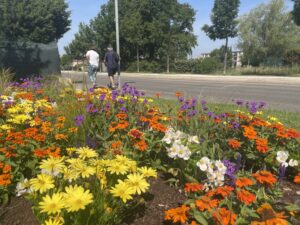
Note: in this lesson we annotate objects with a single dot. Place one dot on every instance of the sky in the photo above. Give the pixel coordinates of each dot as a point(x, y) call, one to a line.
point(85, 10)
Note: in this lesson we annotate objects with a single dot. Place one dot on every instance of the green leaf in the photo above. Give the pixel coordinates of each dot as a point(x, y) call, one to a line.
point(200, 218)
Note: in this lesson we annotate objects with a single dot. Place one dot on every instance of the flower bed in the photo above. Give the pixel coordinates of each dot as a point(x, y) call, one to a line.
point(230, 164)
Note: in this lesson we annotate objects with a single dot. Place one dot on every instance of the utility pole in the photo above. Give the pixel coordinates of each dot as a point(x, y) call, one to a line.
point(117, 38)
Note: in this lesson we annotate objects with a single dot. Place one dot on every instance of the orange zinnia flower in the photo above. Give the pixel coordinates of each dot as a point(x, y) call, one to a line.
point(116, 144)
point(141, 145)
point(178, 94)
point(193, 187)
point(121, 116)
point(292, 133)
point(243, 182)
point(223, 191)
point(5, 179)
point(269, 216)
point(249, 132)
point(193, 223)
point(262, 145)
point(113, 126)
point(246, 196)
point(265, 177)
point(73, 129)
point(297, 179)
point(122, 124)
point(206, 203)
point(135, 133)
point(6, 168)
point(233, 143)
point(60, 137)
point(177, 214)
point(223, 216)
point(157, 95)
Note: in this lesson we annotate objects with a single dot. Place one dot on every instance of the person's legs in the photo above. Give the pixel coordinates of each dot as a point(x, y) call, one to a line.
point(95, 75)
point(112, 81)
point(91, 74)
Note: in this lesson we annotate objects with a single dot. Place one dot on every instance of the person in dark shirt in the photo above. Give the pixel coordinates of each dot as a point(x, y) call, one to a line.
point(111, 60)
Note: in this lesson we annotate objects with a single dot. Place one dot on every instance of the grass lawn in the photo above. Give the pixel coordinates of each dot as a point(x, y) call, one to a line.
point(289, 119)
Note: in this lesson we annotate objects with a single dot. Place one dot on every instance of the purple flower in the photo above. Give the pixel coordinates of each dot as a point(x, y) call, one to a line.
point(203, 102)
point(194, 102)
point(282, 170)
point(181, 99)
point(262, 104)
point(184, 107)
point(121, 101)
point(239, 102)
point(235, 124)
point(145, 101)
point(205, 108)
point(123, 109)
point(223, 115)
point(79, 120)
point(230, 171)
point(210, 113)
point(192, 113)
point(102, 97)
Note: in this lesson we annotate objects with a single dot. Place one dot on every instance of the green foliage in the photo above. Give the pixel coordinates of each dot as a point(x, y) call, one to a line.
point(6, 76)
point(155, 29)
point(146, 66)
point(224, 23)
point(184, 66)
point(34, 20)
point(223, 20)
point(267, 32)
point(206, 66)
point(296, 11)
point(65, 61)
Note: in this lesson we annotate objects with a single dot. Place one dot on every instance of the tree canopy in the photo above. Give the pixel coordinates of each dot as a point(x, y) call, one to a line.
point(267, 32)
point(296, 11)
point(34, 20)
point(224, 23)
point(155, 29)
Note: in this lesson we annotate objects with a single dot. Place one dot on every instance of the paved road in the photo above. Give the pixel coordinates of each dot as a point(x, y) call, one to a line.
point(279, 92)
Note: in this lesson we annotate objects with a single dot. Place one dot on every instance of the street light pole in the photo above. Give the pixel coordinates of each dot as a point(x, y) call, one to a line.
point(117, 37)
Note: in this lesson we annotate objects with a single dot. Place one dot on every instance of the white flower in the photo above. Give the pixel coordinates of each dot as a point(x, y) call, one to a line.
point(23, 188)
point(220, 166)
point(282, 156)
point(193, 139)
point(184, 152)
point(179, 134)
point(167, 139)
point(293, 162)
point(173, 151)
point(203, 163)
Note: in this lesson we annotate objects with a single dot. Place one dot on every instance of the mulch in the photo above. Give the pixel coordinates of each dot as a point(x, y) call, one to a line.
point(160, 198)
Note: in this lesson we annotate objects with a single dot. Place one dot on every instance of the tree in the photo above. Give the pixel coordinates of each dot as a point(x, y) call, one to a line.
point(157, 29)
point(34, 20)
point(267, 32)
point(296, 11)
point(224, 23)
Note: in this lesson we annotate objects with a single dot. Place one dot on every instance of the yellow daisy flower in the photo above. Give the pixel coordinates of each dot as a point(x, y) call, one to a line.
point(147, 172)
point(52, 165)
point(122, 191)
point(77, 198)
point(86, 152)
point(53, 222)
point(42, 183)
point(53, 204)
point(137, 182)
point(117, 168)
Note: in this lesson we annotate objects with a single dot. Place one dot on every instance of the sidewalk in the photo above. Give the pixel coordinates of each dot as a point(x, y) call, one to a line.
point(273, 79)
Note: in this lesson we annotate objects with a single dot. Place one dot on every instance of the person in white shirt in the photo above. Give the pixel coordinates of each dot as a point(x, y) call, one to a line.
point(93, 61)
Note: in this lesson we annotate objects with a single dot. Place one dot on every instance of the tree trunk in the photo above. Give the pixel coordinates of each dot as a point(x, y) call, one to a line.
point(168, 63)
point(226, 54)
point(137, 59)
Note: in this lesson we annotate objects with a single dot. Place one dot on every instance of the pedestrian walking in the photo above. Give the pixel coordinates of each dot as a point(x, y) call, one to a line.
point(93, 64)
point(111, 61)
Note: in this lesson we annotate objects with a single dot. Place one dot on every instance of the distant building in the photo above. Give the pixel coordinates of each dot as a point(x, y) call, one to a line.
point(236, 58)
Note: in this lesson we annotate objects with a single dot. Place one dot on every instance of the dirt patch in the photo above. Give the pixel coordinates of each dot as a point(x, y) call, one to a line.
point(18, 212)
point(161, 197)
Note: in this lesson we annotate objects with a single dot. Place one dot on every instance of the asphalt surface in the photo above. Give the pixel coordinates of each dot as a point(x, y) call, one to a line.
point(279, 92)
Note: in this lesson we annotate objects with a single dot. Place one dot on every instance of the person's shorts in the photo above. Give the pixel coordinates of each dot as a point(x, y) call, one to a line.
point(111, 71)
